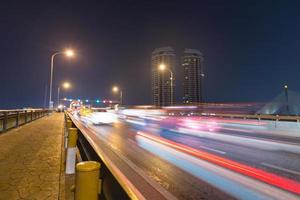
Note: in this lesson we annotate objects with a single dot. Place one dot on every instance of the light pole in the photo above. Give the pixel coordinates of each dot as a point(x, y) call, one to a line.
point(68, 53)
point(286, 98)
point(65, 85)
point(162, 67)
point(116, 89)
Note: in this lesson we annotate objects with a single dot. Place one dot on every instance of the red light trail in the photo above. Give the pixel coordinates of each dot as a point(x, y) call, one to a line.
point(267, 177)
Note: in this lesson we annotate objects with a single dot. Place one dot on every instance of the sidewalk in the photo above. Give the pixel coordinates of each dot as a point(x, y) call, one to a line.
point(30, 160)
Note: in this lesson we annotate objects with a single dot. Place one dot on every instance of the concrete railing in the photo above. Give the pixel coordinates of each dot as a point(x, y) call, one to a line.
point(13, 118)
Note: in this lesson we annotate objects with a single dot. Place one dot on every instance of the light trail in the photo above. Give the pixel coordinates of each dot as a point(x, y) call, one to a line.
point(267, 177)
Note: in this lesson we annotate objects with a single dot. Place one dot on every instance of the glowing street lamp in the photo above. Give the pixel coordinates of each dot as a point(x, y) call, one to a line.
point(116, 89)
point(286, 98)
point(65, 85)
point(162, 67)
point(67, 53)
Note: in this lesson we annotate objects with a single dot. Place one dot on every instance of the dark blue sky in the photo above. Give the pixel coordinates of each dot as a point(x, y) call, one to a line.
point(251, 48)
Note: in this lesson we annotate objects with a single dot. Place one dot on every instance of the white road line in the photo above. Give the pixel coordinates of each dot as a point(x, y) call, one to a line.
point(281, 168)
point(211, 149)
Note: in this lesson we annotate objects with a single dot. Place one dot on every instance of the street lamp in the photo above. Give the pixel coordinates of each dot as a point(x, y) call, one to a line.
point(162, 67)
point(67, 53)
point(286, 98)
point(116, 89)
point(65, 85)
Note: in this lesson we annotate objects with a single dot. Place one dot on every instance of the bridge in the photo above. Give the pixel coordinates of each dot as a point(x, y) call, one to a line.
point(148, 153)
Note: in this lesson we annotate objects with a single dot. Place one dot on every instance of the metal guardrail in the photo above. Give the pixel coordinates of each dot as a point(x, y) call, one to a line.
point(112, 187)
point(257, 116)
point(14, 118)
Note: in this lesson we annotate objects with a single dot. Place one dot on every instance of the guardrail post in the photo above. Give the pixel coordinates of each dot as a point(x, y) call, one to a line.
point(18, 119)
point(87, 182)
point(71, 150)
point(31, 115)
point(25, 116)
point(5, 121)
point(69, 124)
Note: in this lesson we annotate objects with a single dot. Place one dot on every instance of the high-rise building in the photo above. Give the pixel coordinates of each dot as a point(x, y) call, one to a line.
point(162, 84)
point(192, 64)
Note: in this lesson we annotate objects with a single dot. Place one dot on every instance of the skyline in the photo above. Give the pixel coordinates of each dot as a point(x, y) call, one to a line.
point(245, 45)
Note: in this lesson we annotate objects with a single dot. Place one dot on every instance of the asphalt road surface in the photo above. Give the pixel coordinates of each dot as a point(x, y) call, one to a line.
point(202, 158)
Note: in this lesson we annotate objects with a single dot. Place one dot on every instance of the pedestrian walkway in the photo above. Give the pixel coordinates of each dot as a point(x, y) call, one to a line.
point(30, 160)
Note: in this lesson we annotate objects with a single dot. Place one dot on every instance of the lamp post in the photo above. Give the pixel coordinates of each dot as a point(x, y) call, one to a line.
point(68, 53)
point(65, 85)
point(162, 67)
point(286, 98)
point(116, 89)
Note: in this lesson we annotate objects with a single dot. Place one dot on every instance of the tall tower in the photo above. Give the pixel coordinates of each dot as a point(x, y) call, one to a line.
point(162, 88)
point(192, 64)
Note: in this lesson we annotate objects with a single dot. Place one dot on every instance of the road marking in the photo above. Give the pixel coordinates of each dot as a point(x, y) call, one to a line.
point(211, 149)
point(281, 168)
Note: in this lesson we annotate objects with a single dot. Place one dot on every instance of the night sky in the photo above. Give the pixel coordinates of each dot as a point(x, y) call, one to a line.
point(251, 48)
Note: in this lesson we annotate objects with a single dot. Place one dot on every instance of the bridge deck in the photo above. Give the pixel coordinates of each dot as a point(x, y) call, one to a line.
point(30, 160)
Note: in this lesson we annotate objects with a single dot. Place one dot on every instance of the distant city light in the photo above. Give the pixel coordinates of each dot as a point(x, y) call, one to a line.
point(86, 100)
point(97, 101)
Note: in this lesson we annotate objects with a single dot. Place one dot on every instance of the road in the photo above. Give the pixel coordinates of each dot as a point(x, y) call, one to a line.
point(199, 158)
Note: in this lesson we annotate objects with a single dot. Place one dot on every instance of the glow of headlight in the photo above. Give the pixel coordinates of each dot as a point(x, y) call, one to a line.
point(189, 123)
point(180, 107)
point(141, 112)
point(136, 122)
point(103, 117)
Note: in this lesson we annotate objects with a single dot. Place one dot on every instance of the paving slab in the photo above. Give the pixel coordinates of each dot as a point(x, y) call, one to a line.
point(31, 160)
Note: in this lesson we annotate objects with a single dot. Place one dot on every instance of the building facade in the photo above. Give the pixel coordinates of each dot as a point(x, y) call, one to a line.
point(192, 64)
point(162, 88)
